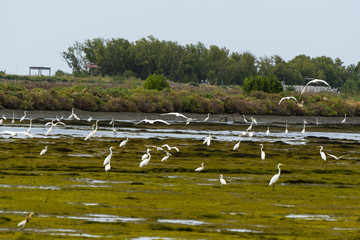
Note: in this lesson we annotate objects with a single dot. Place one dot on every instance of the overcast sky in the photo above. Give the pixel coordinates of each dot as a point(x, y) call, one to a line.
point(35, 32)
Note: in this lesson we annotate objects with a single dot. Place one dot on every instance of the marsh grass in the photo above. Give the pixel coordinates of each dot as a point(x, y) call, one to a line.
point(65, 187)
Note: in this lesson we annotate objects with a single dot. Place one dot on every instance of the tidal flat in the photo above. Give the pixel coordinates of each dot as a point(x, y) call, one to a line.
point(69, 193)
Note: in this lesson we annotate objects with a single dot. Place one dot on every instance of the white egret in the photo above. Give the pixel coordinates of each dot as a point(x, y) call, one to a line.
point(113, 128)
point(92, 133)
point(303, 130)
point(170, 148)
point(245, 120)
point(250, 134)
point(343, 121)
point(317, 121)
point(199, 169)
point(43, 151)
point(52, 126)
point(236, 146)
point(9, 132)
point(315, 81)
point(146, 155)
point(222, 180)
point(29, 129)
point(13, 119)
point(112, 121)
point(337, 158)
point(275, 177)
point(207, 118)
point(145, 120)
point(322, 154)
point(287, 98)
point(23, 117)
point(146, 160)
point(89, 119)
point(73, 115)
point(166, 156)
point(208, 140)
point(253, 120)
point(188, 120)
point(23, 222)
point(3, 116)
point(250, 127)
point(107, 169)
point(267, 131)
point(262, 155)
point(123, 142)
point(108, 158)
point(1, 121)
point(286, 129)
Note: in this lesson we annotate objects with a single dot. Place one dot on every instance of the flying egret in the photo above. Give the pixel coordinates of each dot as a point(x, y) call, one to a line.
point(253, 120)
point(337, 158)
point(92, 133)
point(73, 115)
point(267, 131)
point(222, 180)
point(322, 154)
point(262, 152)
point(188, 120)
point(23, 222)
point(52, 126)
point(343, 121)
point(315, 81)
point(43, 151)
point(23, 117)
point(236, 146)
point(199, 169)
point(207, 118)
point(108, 158)
point(170, 148)
point(208, 140)
point(275, 177)
point(145, 120)
point(287, 98)
point(123, 142)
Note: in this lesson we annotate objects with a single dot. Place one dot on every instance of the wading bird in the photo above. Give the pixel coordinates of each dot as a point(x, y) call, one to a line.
point(199, 169)
point(245, 120)
point(29, 129)
point(108, 158)
point(23, 222)
point(73, 115)
point(303, 130)
point(207, 118)
point(253, 120)
point(343, 121)
point(23, 117)
point(13, 119)
point(43, 151)
point(250, 127)
point(112, 121)
point(222, 180)
point(3, 116)
point(123, 142)
point(262, 155)
point(267, 131)
point(1, 121)
point(89, 119)
point(287, 98)
point(113, 128)
point(275, 177)
point(166, 157)
point(146, 155)
point(208, 140)
point(92, 133)
point(237, 145)
point(145, 161)
point(315, 81)
point(286, 129)
point(322, 154)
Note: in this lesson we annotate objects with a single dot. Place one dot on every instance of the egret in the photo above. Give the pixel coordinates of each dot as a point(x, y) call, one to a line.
point(23, 117)
point(89, 119)
point(315, 81)
point(200, 168)
point(267, 131)
point(23, 222)
point(222, 180)
point(245, 120)
point(123, 142)
point(343, 121)
point(112, 121)
point(317, 121)
point(250, 127)
point(253, 120)
point(113, 128)
point(208, 140)
point(188, 120)
point(146, 155)
point(73, 115)
point(108, 158)
point(145, 120)
point(337, 158)
point(287, 98)
point(1, 121)
point(170, 148)
point(250, 134)
point(29, 129)
point(13, 119)
point(52, 126)
point(262, 152)
point(303, 131)
point(92, 133)
point(275, 177)
point(166, 157)
point(237, 145)
point(286, 129)
point(43, 151)
point(207, 118)
point(322, 154)
point(3, 116)
point(107, 168)
point(146, 160)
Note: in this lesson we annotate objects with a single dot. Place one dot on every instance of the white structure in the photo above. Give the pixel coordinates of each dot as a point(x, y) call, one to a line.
point(299, 88)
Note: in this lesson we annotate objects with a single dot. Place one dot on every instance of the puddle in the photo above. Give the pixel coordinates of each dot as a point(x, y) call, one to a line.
point(152, 238)
point(242, 230)
point(346, 229)
point(90, 185)
point(102, 218)
point(311, 217)
point(30, 187)
point(179, 221)
point(284, 205)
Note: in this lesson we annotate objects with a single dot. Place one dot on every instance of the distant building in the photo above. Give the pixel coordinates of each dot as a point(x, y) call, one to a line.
point(310, 88)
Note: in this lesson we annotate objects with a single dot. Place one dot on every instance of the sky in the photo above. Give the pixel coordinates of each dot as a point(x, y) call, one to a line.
point(35, 32)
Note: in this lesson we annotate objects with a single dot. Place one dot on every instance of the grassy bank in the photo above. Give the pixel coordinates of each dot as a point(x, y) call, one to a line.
point(107, 94)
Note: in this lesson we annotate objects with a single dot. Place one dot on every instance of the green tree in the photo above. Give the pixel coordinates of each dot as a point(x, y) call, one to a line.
point(268, 84)
point(156, 81)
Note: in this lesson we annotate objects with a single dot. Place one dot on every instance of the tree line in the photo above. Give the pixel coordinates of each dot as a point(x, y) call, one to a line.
point(196, 63)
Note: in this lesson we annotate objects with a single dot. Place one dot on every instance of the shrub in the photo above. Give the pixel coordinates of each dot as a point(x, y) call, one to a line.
point(157, 82)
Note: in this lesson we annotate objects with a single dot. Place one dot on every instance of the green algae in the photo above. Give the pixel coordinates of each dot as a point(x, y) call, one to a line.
point(67, 186)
